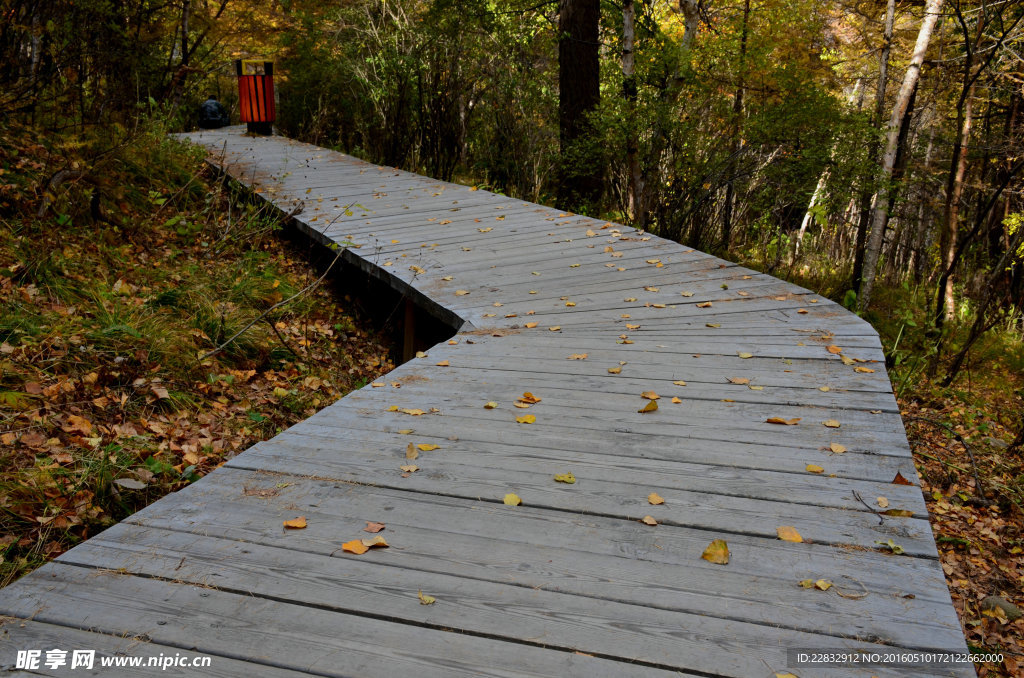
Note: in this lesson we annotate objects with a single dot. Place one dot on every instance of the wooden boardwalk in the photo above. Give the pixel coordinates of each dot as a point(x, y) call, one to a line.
point(586, 316)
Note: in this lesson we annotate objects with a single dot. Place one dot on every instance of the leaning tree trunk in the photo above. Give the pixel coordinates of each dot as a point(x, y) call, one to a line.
point(578, 96)
point(880, 214)
point(867, 192)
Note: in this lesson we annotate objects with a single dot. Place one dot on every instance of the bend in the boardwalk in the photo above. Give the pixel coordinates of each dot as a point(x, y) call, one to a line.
point(587, 316)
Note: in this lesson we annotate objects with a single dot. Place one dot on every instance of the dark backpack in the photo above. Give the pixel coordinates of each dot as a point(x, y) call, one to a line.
point(212, 115)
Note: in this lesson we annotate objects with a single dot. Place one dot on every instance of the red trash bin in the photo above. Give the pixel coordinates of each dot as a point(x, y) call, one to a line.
point(256, 95)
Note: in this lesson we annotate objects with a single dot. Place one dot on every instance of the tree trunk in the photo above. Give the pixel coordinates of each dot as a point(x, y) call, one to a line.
point(634, 188)
point(868, 193)
point(880, 214)
point(659, 137)
point(579, 95)
point(737, 129)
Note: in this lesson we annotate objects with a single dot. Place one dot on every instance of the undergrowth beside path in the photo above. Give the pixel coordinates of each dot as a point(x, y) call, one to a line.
point(139, 265)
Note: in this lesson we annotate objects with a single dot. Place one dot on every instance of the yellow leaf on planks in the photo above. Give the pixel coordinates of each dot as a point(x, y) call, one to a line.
point(739, 380)
point(412, 412)
point(831, 423)
point(706, 304)
point(427, 447)
point(679, 382)
point(745, 355)
point(411, 452)
point(785, 422)
point(512, 499)
point(444, 363)
point(836, 448)
point(676, 401)
point(577, 356)
point(655, 499)
point(649, 520)
point(814, 468)
point(425, 599)
point(490, 405)
point(567, 478)
point(530, 326)
point(355, 546)
point(461, 293)
point(614, 370)
point(717, 552)
point(833, 349)
point(296, 523)
point(526, 419)
point(789, 533)
point(650, 395)
point(649, 407)
point(865, 370)
point(409, 468)
point(530, 398)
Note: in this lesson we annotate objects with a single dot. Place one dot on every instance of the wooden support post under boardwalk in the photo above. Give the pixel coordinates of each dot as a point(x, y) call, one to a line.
point(409, 331)
point(559, 534)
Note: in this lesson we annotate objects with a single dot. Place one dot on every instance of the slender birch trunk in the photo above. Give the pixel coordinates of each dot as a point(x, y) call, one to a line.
point(879, 216)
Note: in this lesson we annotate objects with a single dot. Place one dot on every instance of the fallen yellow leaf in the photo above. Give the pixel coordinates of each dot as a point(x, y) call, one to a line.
point(738, 380)
point(649, 407)
point(512, 499)
point(648, 520)
point(780, 420)
point(414, 413)
point(614, 370)
point(823, 584)
point(427, 447)
point(490, 405)
point(676, 401)
point(814, 468)
point(526, 419)
point(461, 293)
point(787, 533)
point(405, 431)
point(555, 328)
point(372, 542)
point(530, 398)
point(655, 499)
point(425, 599)
point(296, 523)
point(410, 452)
point(650, 395)
point(409, 468)
point(355, 546)
point(567, 477)
point(836, 448)
point(833, 349)
point(882, 502)
point(717, 552)
point(745, 355)
point(706, 304)
point(421, 354)
point(866, 370)
point(531, 325)
point(577, 356)
point(679, 382)
point(831, 423)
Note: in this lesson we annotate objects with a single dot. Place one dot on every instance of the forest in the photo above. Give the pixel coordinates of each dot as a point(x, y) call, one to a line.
point(870, 150)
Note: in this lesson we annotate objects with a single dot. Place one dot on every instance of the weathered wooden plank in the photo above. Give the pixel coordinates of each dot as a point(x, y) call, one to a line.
point(168, 660)
point(278, 632)
point(501, 610)
point(460, 541)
